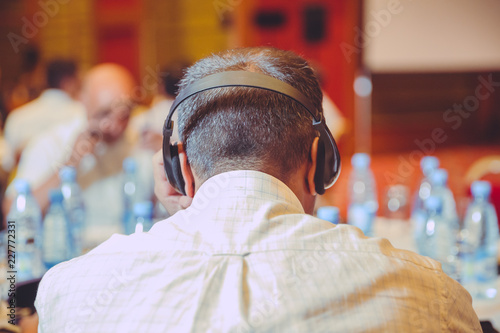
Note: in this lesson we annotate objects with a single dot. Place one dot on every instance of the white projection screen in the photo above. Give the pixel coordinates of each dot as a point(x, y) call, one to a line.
point(430, 35)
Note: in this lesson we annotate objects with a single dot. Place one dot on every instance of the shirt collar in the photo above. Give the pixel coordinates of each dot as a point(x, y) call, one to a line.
point(235, 211)
point(245, 184)
point(55, 93)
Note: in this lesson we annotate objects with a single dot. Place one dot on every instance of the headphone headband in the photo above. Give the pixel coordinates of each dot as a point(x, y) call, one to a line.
point(328, 158)
point(243, 79)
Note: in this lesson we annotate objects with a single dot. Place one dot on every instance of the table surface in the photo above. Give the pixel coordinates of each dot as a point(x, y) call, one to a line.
point(399, 233)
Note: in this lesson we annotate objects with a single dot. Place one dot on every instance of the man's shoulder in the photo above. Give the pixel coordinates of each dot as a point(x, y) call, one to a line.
point(111, 254)
point(344, 238)
point(20, 114)
point(116, 250)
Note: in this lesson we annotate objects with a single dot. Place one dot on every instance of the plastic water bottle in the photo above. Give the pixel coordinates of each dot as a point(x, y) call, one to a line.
point(25, 214)
point(426, 240)
point(56, 235)
point(438, 240)
point(329, 213)
point(428, 165)
point(363, 199)
point(130, 188)
point(143, 212)
point(74, 206)
point(480, 243)
point(439, 184)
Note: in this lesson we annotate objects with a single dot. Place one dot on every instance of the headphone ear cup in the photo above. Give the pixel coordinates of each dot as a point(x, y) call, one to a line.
point(176, 169)
point(320, 168)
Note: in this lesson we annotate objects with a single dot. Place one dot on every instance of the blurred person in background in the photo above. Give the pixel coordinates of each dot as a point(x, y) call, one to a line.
point(54, 106)
point(334, 119)
point(150, 123)
point(30, 80)
point(96, 146)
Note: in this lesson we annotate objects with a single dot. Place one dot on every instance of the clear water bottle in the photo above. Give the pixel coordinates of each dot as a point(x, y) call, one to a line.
point(439, 184)
point(438, 240)
point(428, 165)
point(74, 205)
point(426, 240)
point(143, 212)
point(26, 216)
point(363, 204)
point(329, 213)
point(130, 189)
point(479, 248)
point(56, 235)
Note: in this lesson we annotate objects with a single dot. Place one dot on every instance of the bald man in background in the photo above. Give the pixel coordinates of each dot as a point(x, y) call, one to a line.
point(96, 147)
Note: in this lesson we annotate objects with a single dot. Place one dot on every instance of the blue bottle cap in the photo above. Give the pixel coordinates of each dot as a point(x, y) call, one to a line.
point(129, 165)
point(429, 164)
point(360, 161)
point(143, 209)
point(67, 174)
point(328, 213)
point(439, 177)
point(480, 188)
point(22, 186)
point(433, 203)
point(56, 196)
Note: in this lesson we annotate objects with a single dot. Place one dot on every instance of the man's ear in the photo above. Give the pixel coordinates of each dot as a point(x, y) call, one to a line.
point(187, 173)
point(311, 187)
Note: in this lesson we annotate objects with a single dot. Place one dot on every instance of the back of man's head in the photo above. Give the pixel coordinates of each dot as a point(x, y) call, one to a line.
point(241, 128)
point(58, 70)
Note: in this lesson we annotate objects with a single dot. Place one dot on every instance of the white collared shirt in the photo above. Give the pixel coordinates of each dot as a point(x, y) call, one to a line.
point(242, 258)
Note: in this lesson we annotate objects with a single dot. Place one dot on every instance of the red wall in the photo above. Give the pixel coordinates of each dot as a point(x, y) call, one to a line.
point(341, 17)
point(117, 26)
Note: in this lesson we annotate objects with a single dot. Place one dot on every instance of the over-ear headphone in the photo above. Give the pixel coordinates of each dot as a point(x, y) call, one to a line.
point(328, 157)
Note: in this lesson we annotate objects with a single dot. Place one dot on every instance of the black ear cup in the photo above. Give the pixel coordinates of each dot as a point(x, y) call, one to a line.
point(171, 162)
point(319, 174)
point(176, 169)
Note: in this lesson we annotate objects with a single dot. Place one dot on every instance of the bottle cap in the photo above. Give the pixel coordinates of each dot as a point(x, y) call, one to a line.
point(439, 177)
point(129, 165)
point(56, 196)
point(143, 209)
point(360, 161)
point(22, 186)
point(433, 203)
point(328, 213)
point(67, 174)
point(480, 188)
point(429, 164)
